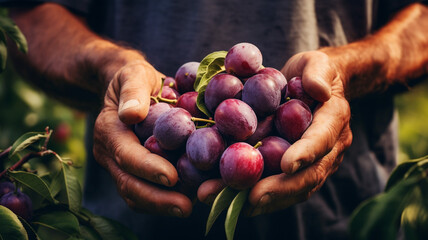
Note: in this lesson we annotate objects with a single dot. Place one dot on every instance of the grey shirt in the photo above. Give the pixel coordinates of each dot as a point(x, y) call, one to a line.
point(171, 33)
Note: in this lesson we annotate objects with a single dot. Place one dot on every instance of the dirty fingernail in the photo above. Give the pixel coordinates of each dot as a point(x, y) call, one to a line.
point(295, 167)
point(164, 180)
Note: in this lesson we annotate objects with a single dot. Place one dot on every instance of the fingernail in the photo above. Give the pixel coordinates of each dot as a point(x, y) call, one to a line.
point(295, 167)
point(129, 104)
point(264, 200)
point(259, 209)
point(164, 180)
point(175, 211)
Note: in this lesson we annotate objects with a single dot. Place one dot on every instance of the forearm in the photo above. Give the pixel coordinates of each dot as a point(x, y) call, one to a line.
point(395, 54)
point(65, 58)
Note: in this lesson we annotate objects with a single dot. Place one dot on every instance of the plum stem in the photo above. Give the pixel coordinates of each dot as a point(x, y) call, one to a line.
point(258, 144)
point(154, 99)
point(170, 101)
point(195, 119)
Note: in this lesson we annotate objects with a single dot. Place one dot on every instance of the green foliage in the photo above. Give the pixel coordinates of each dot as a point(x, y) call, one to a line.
point(211, 65)
point(412, 109)
point(56, 196)
point(9, 29)
point(11, 226)
point(403, 204)
point(234, 201)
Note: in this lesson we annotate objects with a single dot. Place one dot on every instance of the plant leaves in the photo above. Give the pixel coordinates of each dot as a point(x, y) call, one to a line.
point(33, 182)
point(211, 65)
point(221, 202)
point(26, 140)
point(11, 228)
point(62, 221)
point(217, 57)
point(31, 233)
point(233, 213)
point(200, 102)
point(9, 27)
point(111, 230)
point(400, 171)
point(378, 217)
point(72, 188)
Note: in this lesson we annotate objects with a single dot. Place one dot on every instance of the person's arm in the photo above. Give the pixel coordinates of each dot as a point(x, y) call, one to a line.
point(394, 55)
point(72, 63)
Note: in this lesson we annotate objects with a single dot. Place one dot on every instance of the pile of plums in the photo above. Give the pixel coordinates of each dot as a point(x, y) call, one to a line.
point(256, 113)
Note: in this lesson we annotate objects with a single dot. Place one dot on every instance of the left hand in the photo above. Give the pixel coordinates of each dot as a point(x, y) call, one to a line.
point(312, 159)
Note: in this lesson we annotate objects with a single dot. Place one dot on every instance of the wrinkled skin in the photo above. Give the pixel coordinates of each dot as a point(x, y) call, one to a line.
point(137, 172)
point(317, 155)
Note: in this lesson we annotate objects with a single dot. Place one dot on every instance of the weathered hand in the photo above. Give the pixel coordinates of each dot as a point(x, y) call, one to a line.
point(310, 160)
point(143, 179)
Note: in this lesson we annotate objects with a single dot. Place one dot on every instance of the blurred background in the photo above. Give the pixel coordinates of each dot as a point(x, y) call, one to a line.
point(24, 108)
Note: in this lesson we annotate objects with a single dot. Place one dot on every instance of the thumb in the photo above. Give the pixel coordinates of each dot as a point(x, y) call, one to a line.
point(316, 73)
point(136, 83)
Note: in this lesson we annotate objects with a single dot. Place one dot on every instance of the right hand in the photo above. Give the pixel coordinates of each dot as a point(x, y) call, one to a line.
point(143, 179)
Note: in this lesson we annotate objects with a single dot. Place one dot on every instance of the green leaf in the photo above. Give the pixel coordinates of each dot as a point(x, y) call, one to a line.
point(233, 213)
point(211, 65)
point(72, 188)
point(400, 171)
point(217, 57)
point(111, 230)
point(62, 221)
point(11, 228)
point(26, 140)
point(200, 102)
point(33, 182)
point(221, 202)
point(32, 235)
point(10, 28)
point(378, 218)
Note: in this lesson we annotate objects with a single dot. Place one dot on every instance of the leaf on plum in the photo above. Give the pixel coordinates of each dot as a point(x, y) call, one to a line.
point(33, 182)
point(221, 202)
point(233, 213)
point(211, 65)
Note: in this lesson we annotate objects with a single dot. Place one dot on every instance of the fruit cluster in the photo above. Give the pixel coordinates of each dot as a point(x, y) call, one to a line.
point(237, 126)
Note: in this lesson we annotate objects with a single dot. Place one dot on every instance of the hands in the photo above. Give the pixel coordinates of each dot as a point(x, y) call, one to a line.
point(139, 174)
point(310, 160)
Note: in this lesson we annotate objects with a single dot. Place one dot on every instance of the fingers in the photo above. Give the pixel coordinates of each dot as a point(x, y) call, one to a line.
point(281, 191)
point(134, 85)
point(208, 190)
point(145, 197)
point(117, 140)
point(329, 121)
point(316, 73)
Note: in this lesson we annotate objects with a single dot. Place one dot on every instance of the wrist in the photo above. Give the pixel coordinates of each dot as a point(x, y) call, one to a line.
point(105, 59)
